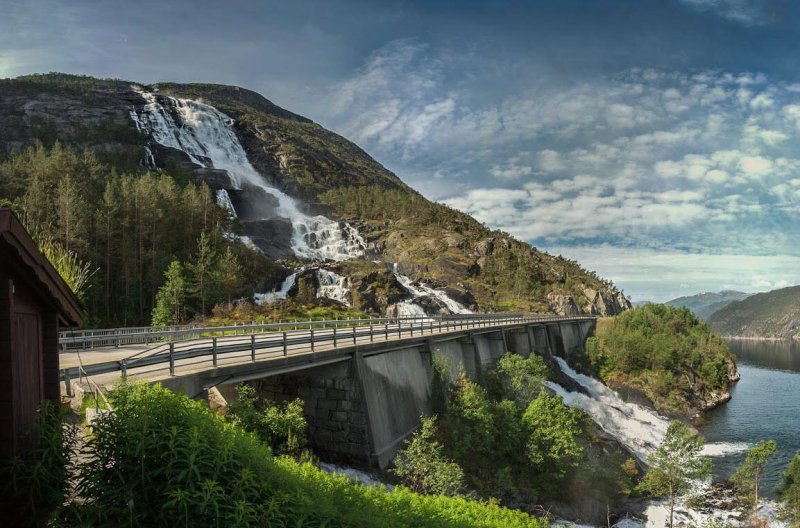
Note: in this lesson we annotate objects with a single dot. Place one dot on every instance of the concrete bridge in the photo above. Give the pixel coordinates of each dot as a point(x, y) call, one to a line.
point(365, 382)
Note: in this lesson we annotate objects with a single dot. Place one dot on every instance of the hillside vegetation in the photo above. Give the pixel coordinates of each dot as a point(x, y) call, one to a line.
point(774, 314)
point(667, 354)
point(132, 230)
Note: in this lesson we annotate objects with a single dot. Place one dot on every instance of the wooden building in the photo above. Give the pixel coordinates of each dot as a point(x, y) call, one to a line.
point(34, 302)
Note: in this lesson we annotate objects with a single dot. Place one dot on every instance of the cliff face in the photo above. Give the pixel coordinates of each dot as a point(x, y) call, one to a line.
point(774, 314)
point(328, 174)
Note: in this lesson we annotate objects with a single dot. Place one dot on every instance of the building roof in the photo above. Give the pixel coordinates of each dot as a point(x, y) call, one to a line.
point(19, 251)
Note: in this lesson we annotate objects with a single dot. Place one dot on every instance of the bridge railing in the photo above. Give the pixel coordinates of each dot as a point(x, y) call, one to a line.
point(115, 337)
point(276, 340)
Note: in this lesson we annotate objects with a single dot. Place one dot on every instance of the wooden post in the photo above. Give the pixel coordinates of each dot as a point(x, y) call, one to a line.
point(334, 337)
point(285, 346)
point(312, 339)
point(252, 347)
point(214, 351)
point(172, 359)
point(354, 335)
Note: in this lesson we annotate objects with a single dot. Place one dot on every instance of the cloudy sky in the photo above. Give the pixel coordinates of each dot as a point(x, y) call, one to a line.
point(655, 141)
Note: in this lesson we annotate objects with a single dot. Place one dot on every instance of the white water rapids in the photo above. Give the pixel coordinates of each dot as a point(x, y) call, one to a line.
point(641, 430)
point(205, 134)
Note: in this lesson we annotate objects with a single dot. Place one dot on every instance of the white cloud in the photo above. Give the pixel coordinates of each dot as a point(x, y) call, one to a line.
point(745, 12)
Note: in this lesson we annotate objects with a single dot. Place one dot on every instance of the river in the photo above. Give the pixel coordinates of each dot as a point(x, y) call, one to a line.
point(764, 406)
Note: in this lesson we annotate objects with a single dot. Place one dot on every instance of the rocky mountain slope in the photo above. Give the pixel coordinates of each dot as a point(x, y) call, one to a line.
point(703, 305)
point(774, 314)
point(342, 203)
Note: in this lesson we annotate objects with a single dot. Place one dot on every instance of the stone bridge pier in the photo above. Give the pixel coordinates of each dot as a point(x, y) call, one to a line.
point(366, 407)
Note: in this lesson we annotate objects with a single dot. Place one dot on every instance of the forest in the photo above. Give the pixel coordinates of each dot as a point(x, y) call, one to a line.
point(126, 231)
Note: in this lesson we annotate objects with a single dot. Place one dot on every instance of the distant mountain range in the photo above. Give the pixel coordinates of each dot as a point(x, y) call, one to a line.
point(703, 305)
point(774, 314)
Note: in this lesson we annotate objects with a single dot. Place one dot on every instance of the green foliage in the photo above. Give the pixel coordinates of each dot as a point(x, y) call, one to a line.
point(676, 465)
point(35, 483)
point(666, 352)
point(163, 460)
point(509, 276)
point(522, 377)
point(422, 466)
point(747, 478)
point(283, 428)
point(169, 308)
point(75, 273)
point(789, 492)
point(201, 267)
point(553, 431)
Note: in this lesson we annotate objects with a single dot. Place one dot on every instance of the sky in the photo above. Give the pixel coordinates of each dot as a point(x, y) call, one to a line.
point(654, 141)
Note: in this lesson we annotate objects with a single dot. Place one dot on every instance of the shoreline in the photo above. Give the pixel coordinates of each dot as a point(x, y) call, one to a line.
point(747, 338)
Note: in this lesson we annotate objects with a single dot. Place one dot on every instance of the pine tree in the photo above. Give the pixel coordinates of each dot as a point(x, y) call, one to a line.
point(170, 298)
point(789, 492)
point(229, 274)
point(748, 477)
point(676, 465)
point(202, 269)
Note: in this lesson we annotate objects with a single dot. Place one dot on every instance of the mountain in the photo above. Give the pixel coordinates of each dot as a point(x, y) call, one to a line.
point(774, 314)
point(703, 305)
point(303, 196)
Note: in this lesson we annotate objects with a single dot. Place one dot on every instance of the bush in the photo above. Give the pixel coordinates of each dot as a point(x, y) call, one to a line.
point(283, 428)
point(161, 459)
point(422, 466)
point(35, 482)
point(522, 377)
point(554, 432)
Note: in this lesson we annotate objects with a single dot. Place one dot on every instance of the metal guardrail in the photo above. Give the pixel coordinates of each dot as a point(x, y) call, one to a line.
point(275, 340)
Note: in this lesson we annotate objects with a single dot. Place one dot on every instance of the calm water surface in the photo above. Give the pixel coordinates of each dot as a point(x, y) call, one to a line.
point(765, 405)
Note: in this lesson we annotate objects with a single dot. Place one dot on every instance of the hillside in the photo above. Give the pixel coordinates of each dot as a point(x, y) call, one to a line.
point(774, 314)
point(705, 304)
point(117, 122)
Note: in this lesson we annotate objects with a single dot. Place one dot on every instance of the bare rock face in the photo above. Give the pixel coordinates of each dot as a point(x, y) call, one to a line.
point(563, 304)
point(606, 303)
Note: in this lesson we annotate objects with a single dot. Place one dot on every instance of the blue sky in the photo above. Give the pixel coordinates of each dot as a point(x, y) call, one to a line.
point(654, 141)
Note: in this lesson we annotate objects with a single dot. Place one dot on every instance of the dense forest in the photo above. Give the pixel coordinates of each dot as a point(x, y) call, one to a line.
point(127, 229)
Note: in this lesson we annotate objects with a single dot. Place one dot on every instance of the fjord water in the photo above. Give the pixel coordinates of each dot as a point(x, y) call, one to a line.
point(765, 406)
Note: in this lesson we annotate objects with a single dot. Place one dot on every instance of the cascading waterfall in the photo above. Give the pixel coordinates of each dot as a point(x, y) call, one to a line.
point(281, 294)
point(408, 308)
point(641, 430)
point(332, 286)
point(205, 134)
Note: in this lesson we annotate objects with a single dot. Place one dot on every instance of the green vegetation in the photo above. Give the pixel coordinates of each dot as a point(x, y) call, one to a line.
point(774, 314)
point(666, 353)
point(676, 466)
point(161, 459)
point(747, 479)
point(789, 492)
point(503, 273)
point(169, 308)
point(511, 441)
point(36, 480)
point(129, 228)
point(284, 429)
point(423, 467)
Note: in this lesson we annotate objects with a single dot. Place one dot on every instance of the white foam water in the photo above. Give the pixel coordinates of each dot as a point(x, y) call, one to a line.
point(332, 286)
point(641, 430)
point(206, 135)
point(408, 308)
point(353, 474)
point(271, 297)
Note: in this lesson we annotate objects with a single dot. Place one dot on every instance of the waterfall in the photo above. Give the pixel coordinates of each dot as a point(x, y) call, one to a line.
point(271, 297)
point(408, 308)
point(206, 135)
point(641, 430)
point(332, 286)
point(224, 199)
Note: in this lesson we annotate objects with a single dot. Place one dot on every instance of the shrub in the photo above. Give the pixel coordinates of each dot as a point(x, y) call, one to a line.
point(35, 482)
point(522, 377)
point(161, 459)
point(554, 431)
point(283, 428)
point(422, 466)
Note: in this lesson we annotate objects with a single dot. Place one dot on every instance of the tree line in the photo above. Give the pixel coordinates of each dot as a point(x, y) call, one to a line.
point(128, 229)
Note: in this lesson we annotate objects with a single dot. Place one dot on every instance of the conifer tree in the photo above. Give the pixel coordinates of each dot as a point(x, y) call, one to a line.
point(170, 298)
point(202, 269)
point(748, 477)
point(229, 274)
point(676, 465)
